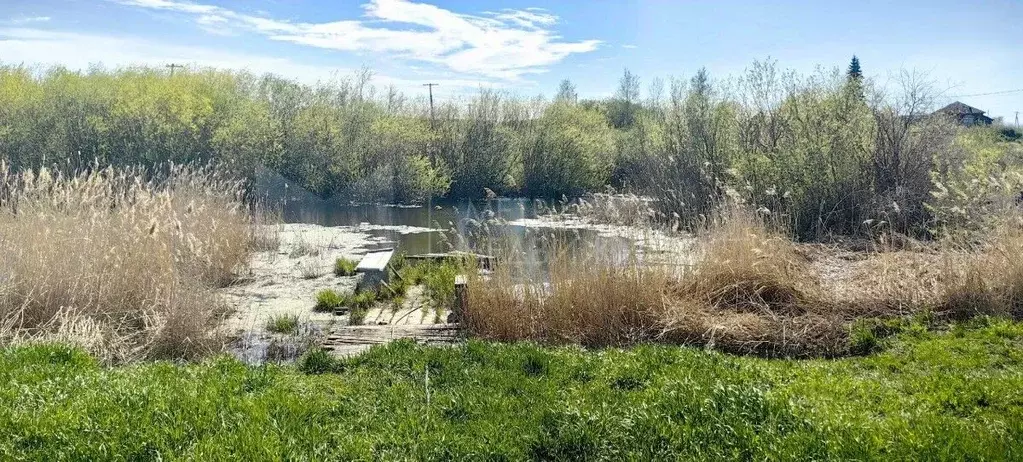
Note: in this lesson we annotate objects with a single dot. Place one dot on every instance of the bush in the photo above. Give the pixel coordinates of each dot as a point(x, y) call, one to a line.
point(568, 154)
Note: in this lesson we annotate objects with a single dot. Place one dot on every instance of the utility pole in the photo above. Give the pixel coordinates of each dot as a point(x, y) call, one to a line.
point(433, 163)
point(430, 86)
point(1017, 119)
point(173, 66)
point(433, 125)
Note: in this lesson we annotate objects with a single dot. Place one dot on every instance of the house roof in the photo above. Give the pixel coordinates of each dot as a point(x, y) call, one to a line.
point(959, 108)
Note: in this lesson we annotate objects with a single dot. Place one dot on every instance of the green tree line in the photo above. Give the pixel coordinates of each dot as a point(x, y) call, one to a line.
point(829, 152)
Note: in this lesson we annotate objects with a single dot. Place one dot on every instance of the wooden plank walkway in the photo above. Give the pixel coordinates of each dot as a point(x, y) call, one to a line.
point(351, 340)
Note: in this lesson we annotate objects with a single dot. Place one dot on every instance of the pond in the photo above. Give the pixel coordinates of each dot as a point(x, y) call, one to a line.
point(474, 226)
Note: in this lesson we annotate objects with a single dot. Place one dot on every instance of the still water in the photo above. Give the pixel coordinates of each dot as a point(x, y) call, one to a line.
point(473, 226)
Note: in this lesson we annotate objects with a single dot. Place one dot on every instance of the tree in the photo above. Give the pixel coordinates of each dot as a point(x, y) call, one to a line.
point(628, 87)
point(854, 71)
point(566, 92)
point(626, 101)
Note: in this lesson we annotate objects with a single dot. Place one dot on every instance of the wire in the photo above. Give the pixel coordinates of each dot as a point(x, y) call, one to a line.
point(991, 93)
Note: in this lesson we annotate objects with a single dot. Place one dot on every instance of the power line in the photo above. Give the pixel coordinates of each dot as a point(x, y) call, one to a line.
point(991, 93)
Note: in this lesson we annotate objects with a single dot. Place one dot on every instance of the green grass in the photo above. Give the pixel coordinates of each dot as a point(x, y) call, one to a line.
point(328, 300)
point(345, 267)
point(438, 278)
point(359, 305)
point(283, 324)
point(935, 396)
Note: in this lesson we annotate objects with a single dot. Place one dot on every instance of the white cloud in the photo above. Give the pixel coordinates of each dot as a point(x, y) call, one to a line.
point(80, 51)
point(502, 45)
point(630, 47)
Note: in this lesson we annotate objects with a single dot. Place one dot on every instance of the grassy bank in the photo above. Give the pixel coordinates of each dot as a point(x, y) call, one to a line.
point(951, 395)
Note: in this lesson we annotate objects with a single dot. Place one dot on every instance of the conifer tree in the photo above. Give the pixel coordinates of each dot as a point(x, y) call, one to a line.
point(854, 68)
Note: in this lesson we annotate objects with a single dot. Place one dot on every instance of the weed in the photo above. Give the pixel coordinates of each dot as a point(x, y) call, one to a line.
point(318, 361)
point(328, 300)
point(283, 324)
point(310, 269)
point(345, 267)
point(357, 316)
point(303, 248)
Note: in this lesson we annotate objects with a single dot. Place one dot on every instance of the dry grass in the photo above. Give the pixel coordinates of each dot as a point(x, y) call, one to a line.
point(589, 299)
point(750, 290)
point(615, 209)
point(991, 278)
point(119, 263)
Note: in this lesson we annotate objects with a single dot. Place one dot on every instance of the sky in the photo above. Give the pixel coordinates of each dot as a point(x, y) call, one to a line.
point(526, 47)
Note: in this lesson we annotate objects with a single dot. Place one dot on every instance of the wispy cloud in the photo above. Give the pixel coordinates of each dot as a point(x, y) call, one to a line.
point(33, 46)
point(27, 20)
point(504, 45)
point(629, 47)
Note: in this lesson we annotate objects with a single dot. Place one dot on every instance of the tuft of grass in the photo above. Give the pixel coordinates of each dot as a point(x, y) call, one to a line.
point(359, 305)
point(318, 361)
point(990, 282)
point(748, 290)
point(328, 300)
point(283, 324)
point(437, 277)
point(345, 267)
point(588, 298)
point(303, 248)
point(310, 269)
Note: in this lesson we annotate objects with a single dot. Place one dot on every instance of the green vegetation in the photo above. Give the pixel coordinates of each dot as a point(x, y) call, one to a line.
point(829, 152)
point(328, 300)
point(950, 395)
point(437, 277)
point(358, 305)
point(283, 324)
point(345, 267)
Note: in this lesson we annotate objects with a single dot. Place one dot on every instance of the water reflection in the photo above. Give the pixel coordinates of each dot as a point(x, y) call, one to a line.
point(485, 227)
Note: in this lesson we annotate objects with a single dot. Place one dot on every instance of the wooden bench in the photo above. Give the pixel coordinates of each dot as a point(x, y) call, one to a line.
point(373, 268)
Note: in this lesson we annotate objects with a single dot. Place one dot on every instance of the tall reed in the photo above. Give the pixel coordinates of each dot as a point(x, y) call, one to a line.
point(119, 260)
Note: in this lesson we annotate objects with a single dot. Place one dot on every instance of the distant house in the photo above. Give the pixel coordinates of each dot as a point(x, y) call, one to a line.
point(964, 114)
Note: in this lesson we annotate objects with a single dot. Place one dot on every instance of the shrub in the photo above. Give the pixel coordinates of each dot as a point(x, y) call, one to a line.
point(569, 154)
point(345, 267)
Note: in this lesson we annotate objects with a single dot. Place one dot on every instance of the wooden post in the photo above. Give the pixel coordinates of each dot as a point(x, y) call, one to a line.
point(461, 298)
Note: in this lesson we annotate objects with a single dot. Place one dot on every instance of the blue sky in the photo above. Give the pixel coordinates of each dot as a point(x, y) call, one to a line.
point(527, 46)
